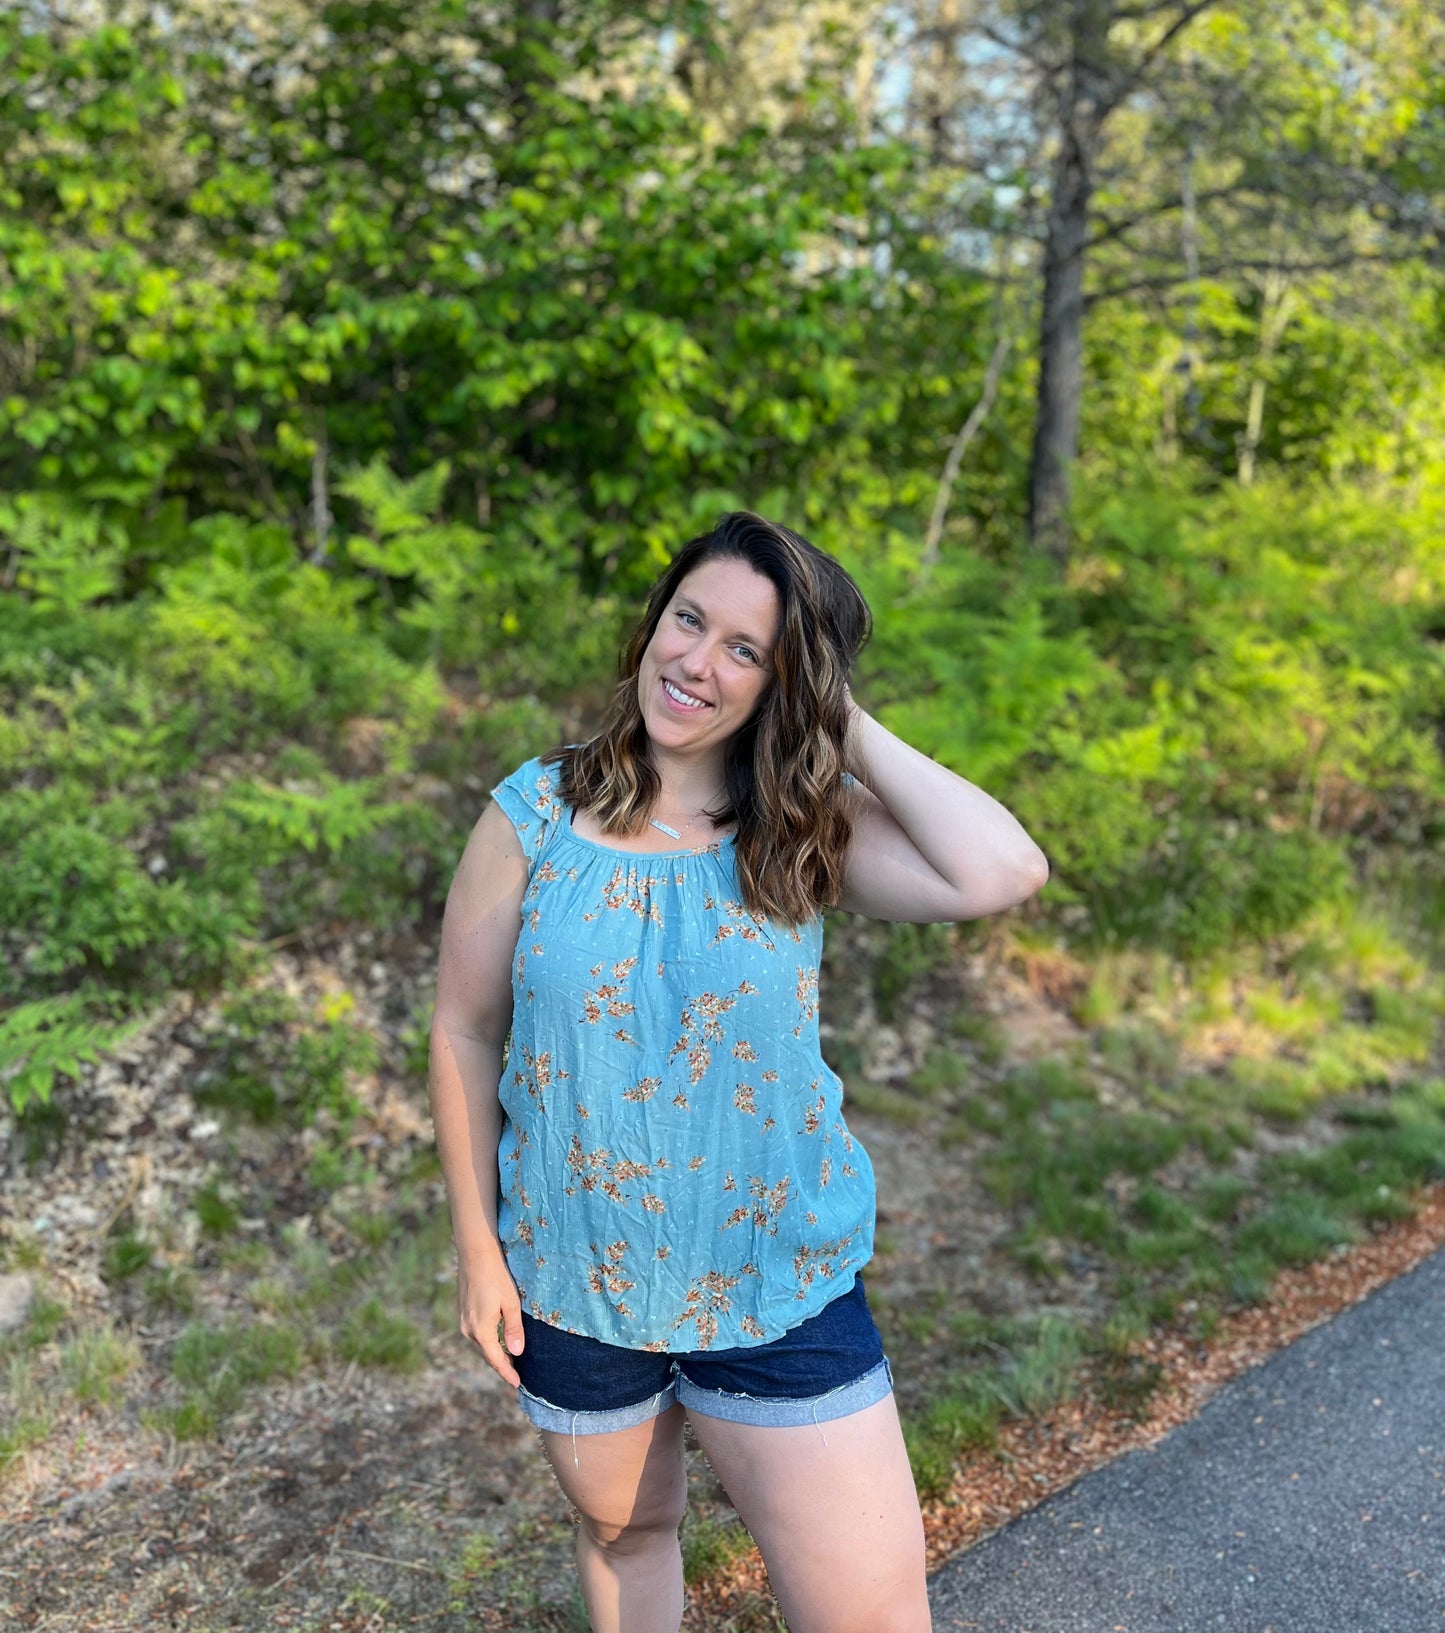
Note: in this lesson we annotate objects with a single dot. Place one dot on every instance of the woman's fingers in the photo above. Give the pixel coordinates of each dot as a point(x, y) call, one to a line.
point(512, 1335)
point(492, 1320)
point(496, 1358)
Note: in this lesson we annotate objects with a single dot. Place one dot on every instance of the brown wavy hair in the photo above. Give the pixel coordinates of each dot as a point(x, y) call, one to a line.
point(784, 794)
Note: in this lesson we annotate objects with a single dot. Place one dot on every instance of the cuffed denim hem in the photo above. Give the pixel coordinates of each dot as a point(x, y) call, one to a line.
point(566, 1422)
point(778, 1413)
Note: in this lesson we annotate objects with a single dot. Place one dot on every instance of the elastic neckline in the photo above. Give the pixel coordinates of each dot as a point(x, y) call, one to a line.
point(644, 856)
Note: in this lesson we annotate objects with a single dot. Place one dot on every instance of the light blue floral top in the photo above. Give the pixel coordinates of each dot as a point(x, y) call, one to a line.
point(676, 1173)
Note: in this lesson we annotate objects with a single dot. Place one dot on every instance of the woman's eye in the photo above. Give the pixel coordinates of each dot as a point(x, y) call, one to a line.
point(687, 618)
point(746, 652)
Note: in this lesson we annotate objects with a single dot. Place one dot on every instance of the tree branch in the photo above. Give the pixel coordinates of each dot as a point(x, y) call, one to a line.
point(961, 442)
point(1219, 269)
point(1125, 83)
point(1124, 225)
point(1049, 67)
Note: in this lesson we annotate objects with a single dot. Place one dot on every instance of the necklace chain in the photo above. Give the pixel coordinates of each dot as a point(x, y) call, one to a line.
point(677, 833)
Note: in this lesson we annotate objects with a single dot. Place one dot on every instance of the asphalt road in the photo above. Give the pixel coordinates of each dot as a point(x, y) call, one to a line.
point(1307, 1497)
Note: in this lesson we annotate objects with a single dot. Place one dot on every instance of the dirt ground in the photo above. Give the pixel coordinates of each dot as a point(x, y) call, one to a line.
point(354, 1498)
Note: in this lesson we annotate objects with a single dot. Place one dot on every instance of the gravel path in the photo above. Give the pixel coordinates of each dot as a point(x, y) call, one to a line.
point(1307, 1497)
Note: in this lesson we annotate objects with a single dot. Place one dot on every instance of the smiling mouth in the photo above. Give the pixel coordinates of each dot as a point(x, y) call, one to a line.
point(683, 699)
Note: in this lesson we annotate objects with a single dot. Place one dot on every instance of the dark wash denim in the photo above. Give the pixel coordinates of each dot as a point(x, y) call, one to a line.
point(836, 1347)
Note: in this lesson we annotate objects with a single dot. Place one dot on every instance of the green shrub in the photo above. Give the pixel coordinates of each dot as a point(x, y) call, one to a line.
point(268, 1059)
point(50, 1038)
point(1207, 885)
point(910, 952)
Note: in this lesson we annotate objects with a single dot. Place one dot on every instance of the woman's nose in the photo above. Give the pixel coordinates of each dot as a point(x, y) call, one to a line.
point(697, 660)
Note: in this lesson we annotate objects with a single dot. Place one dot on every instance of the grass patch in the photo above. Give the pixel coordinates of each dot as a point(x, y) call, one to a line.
point(216, 1211)
point(373, 1336)
point(1140, 1171)
point(479, 1560)
point(25, 1422)
point(1128, 1383)
point(47, 1316)
point(710, 1545)
point(172, 1288)
point(877, 1100)
point(216, 1365)
point(18, 1435)
point(126, 1255)
point(962, 1419)
point(95, 1362)
point(1043, 1373)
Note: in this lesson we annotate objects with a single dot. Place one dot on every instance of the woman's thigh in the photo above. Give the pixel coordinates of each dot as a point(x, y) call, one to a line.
point(834, 1510)
point(629, 1481)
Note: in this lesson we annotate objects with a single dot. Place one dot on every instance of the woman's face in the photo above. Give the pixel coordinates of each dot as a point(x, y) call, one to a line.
point(709, 661)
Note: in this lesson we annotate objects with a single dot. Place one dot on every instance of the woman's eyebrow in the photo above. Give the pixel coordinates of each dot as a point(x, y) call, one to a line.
point(738, 634)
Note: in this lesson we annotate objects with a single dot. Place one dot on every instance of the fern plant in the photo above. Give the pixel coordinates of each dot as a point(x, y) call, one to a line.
point(63, 558)
point(49, 1038)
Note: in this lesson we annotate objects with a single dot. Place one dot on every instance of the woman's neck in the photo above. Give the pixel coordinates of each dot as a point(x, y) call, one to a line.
point(686, 784)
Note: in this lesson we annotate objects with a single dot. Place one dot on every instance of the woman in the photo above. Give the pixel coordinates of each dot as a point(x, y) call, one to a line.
point(658, 1209)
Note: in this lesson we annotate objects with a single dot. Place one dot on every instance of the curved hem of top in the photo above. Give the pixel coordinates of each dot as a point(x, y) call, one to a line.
point(634, 1340)
point(778, 1412)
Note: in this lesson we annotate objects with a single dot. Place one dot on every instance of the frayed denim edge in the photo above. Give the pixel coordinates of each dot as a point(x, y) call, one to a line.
point(562, 1420)
point(771, 1412)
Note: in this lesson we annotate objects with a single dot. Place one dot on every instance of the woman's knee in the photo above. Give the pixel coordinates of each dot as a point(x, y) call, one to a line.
point(629, 1493)
point(637, 1521)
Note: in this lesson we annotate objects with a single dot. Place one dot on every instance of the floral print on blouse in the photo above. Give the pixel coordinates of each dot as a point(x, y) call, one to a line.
point(676, 1173)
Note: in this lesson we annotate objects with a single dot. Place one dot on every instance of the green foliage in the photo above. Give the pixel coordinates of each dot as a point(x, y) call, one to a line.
point(95, 1362)
point(50, 1038)
point(963, 1419)
point(710, 1545)
point(63, 559)
point(1206, 884)
point(126, 1254)
point(215, 1210)
point(216, 1365)
point(267, 1058)
point(81, 892)
point(909, 954)
point(375, 1336)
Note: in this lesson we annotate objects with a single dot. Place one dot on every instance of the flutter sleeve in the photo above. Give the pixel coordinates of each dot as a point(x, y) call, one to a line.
point(531, 801)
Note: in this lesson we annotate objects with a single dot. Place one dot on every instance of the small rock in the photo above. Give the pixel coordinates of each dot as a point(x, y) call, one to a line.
point(17, 1294)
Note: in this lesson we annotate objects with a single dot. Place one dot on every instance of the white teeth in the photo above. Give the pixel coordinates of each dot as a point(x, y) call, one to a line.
point(682, 697)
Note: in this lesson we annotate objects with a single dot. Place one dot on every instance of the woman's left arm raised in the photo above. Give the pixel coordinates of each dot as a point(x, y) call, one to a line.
point(928, 847)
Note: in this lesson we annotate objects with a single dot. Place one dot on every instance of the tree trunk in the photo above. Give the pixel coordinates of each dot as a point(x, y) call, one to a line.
point(1276, 302)
point(1061, 349)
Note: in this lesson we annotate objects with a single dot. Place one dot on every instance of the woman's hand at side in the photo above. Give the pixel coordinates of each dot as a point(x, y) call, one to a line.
point(489, 1312)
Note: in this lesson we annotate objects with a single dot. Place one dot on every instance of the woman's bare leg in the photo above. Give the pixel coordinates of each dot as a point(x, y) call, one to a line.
point(630, 1488)
point(834, 1510)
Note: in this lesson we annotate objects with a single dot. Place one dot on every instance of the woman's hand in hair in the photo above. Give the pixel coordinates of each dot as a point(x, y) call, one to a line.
point(929, 847)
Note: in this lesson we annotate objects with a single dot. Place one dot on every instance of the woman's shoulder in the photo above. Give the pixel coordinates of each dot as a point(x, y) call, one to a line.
point(531, 797)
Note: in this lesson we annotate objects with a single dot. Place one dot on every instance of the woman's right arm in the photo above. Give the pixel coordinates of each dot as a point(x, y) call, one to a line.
point(468, 1034)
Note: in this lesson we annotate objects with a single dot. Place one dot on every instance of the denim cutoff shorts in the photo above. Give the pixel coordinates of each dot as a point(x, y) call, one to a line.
point(827, 1367)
